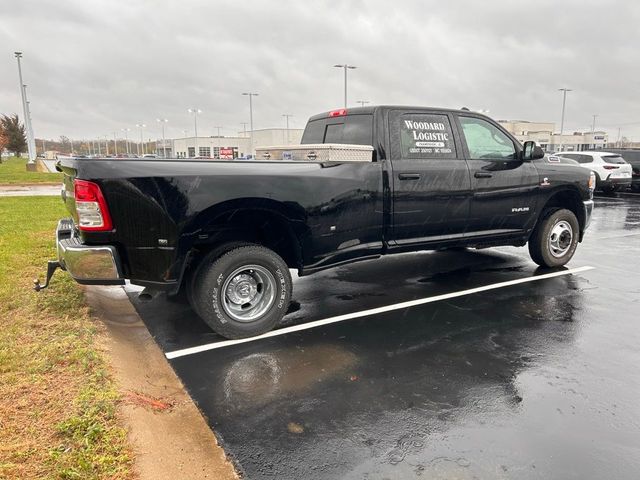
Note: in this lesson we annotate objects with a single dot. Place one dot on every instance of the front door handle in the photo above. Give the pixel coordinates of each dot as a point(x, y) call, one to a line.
point(482, 175)
point(408, 176)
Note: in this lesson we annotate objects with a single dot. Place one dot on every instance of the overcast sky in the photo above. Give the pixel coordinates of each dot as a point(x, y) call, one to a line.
point(93, 67)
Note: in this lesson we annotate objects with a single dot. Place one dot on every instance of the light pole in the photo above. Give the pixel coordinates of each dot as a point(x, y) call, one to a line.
point(99, 148)
point(23, 95)
point(71, 147)
point(218, 128)
point(286, 116)
point(244, 125)
point(195, 112)
point(141, 127)
point(29, 124)
point(251, 95)
point(363, 102)
point(345, 67)
point(162, 122)
point(115, 144)
point(126, 138)
point(106, 144)
point(564, 101)
point(593, 131)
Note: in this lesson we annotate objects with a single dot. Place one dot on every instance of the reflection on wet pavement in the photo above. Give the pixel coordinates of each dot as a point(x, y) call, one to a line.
point(537, 380)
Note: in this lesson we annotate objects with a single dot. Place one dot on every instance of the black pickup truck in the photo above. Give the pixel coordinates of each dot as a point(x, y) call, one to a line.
point(226, 233)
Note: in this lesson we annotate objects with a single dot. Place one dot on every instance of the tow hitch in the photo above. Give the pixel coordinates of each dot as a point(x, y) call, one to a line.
point(52, 266)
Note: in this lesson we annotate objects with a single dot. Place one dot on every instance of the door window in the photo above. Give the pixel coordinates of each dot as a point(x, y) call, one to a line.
point(426, 136)
point(486, 141)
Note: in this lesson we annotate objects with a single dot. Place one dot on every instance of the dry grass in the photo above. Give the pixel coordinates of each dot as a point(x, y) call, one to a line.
point(58, 416)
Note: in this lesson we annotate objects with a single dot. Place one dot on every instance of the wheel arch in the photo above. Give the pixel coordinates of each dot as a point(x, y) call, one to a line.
point(265, 222)
point(570, 199)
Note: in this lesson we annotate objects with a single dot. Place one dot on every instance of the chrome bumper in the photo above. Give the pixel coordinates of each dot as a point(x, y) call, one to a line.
point(588, 210)
point(87, 264)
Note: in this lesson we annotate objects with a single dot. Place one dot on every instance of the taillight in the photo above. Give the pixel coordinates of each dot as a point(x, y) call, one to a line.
point(338, 113)
point(93, 214)
point(609, 167)
point(592, 182)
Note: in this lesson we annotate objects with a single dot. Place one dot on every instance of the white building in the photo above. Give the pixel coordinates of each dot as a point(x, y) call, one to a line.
point(543, 134)
point(230, 147)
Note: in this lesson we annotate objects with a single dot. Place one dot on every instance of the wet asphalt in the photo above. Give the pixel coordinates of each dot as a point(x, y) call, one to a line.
point(536, 380)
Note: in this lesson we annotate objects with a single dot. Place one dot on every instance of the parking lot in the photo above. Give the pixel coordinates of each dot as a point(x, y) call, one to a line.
point(501, 375)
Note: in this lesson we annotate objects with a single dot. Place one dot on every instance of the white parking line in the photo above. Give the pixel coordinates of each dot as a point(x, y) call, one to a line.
point(372, 311)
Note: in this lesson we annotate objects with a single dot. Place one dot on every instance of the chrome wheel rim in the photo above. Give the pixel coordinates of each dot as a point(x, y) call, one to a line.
point(248, 293)
point(560, 238)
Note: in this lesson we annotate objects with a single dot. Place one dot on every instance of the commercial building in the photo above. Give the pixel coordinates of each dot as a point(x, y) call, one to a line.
point(543, 134)
point(228, 148)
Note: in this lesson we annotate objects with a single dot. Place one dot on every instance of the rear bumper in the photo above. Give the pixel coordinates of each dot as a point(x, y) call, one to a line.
point(614, 182)
point(87, 264)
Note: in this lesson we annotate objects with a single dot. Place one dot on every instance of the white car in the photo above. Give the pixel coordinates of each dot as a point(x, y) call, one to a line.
point(612, 171)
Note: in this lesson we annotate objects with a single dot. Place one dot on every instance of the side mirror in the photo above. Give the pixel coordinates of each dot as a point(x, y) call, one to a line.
point(531, 151)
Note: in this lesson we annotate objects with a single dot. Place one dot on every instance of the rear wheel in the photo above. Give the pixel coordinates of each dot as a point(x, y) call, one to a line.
point(610, 189)
point(555, 238)
point(244, 292)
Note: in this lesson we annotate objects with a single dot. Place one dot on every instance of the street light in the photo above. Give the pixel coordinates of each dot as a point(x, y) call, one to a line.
point(141, 126)
point(363, 102)
point(244, 127)
point(345, 67)
point(287, 115)
point(251, 95)
point(115, 144)
point(195, 112)
point(162, 121)
point(126, 138)
point(593, 131)
point(29, 123)
point(25, 111)
point(564, 101)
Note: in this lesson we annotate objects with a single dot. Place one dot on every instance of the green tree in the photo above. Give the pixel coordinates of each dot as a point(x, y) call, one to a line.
point(15, 133)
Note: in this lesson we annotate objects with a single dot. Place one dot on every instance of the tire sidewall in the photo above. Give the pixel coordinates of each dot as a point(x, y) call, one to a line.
point(210, 297)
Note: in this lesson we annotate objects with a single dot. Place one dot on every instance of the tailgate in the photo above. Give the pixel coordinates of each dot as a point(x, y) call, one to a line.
point(66, 166)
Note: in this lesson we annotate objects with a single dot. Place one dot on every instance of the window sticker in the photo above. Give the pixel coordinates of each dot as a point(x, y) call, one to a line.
point(426, 136)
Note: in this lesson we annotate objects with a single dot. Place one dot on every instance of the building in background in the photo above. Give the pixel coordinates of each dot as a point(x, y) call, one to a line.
point(228, 148)
point(543, 134)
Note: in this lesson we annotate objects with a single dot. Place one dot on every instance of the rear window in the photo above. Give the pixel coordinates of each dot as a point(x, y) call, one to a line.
point(350, 129)
point(615, 159)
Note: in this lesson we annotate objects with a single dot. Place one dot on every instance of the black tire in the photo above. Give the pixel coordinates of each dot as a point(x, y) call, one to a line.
point(609, 189)
point(548, 251)
point(635, 187)
point(206, 262)
point(244, 292)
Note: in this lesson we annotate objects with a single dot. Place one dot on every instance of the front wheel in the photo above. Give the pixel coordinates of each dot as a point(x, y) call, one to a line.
point(555, 238)
point(244, 292)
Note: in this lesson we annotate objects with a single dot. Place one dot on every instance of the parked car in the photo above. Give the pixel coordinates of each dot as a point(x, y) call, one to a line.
point(227, 233)
point(613, 173)
point(632, 156)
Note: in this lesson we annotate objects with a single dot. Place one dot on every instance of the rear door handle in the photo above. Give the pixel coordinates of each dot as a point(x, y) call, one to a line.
point(409, 176)
point(482, 175)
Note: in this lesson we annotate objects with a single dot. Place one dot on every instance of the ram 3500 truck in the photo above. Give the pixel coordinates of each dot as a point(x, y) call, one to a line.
point(227, 232)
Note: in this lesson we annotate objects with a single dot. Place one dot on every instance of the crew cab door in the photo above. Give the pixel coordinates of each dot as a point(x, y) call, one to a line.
point(429, 178)
point(504, 187)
